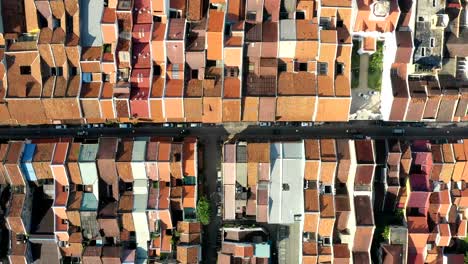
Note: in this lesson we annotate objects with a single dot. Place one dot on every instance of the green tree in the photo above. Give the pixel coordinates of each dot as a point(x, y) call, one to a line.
point(386, 233)
point(376, 59)
point(203, 210)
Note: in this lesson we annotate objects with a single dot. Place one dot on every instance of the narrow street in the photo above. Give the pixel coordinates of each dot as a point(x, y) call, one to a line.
point(211, 161)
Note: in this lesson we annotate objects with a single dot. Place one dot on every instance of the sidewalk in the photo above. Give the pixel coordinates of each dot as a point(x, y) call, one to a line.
point(363, 64)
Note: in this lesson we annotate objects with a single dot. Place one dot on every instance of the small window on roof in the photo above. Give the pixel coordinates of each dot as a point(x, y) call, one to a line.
point(42, 21)
point(57, 71)
point(339, 23)
point(251, 67)
point(285, 187)
point(157, 19)
point(228, 29)
point(421, 19)
point(56, 23)
point(210, 63)
point(107, 48)
point(340, 67)
point(322, 68)
point(325, 22)
point(105, 77)
point(300, 15)
point(25, 70)
point(251, 15)
point(156, 70)
point(282, 67)
point(303, 66)
point(326, 241)
point(434, 3)
point(432, 42)
point(284, 15)
point(423, 51)
point(174, 13)
point(195, 74)
point(87, 77)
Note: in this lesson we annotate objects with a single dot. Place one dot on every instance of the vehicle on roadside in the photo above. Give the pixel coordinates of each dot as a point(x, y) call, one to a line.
point(125, 125)
point(307, 124)
point(82, 133)
point(60, 126)
point(219, 210)
point(264, 124)
point(398, 131)
point(195, 124)
point(168, 125)
point(359, 136)
point(296, 124)
point(418, 124)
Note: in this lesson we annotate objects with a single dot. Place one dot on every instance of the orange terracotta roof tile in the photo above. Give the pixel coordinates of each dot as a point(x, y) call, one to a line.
point(250, 109)
point(303, 109)
point(267, 109)
point(231, 110)
point(174, 107)
point(232, 87)
point(193, 109)
point(333, 109)
point(212, 110)
point(215, 21)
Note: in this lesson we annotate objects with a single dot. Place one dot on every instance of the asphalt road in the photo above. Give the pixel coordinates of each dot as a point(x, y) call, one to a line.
point(211, 159)
point(211, 138)
point(340, 130)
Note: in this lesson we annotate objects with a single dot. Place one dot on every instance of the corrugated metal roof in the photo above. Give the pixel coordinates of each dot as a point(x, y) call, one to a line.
point(241, 174)
point(28, 152)
point(90, 22)
point(88, 152)
point(140, 186)
point(274, 212)
point(293, 150)
point(241, 153)
point(139, 150)
point(275, 151)
point(262, 250)
point(229, 173)
point(292, 177)
point(139, 202)
point(288, 29)
point(289, 5)
point(89, 202)
point(229, 202)
point(230, 153)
